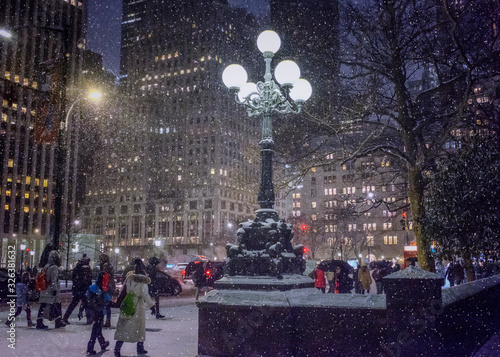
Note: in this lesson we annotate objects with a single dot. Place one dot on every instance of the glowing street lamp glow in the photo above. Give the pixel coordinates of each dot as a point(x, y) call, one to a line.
point(95, 95)
point(268, 41)
point(5, 34)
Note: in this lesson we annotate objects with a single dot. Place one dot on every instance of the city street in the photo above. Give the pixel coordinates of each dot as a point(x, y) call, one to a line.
point(175, 335)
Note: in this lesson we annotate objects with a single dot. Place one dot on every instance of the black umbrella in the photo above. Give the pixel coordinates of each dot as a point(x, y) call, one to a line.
point(331, 265)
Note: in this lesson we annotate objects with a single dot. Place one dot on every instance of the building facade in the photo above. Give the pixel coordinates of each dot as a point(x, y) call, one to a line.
point(40, 62)
point(180, 169)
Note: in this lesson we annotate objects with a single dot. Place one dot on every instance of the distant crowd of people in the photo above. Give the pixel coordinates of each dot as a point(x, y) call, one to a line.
point(360, 280)
point(96, 299)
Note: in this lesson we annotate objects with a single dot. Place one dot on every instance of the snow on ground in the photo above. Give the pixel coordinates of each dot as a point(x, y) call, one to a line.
point(176, 335)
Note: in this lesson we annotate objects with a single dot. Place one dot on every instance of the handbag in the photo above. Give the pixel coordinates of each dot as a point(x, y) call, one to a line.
point(127, 307)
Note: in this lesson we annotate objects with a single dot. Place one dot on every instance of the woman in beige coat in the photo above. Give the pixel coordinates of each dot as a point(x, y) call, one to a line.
point(365, 279)
point(133, 328)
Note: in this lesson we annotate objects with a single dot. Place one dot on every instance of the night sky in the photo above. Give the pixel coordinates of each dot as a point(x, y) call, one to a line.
point(104, 27)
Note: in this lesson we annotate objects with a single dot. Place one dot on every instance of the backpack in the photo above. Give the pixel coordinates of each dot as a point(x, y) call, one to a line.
point(41, 282)
point(96, 301)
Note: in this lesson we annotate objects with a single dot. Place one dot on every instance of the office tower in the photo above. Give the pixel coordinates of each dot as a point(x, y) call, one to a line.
point(180, 168)
point(36, 86)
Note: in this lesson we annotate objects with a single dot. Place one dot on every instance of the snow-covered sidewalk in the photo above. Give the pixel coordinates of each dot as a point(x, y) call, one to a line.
point(176, 335)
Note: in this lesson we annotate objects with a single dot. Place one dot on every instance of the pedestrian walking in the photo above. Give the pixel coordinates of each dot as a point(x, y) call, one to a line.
point(82, 279)
point(450, 274)
point(154, 289)
point(199, 278)
point(51, 296)
point(319, 280)
point(330, 278)
point(365, 279)
point(458, 273)
point(22, 300)
point(379, 273)
point(106, 267)
point(341, 281)
point(131, 326)
point(97, 299)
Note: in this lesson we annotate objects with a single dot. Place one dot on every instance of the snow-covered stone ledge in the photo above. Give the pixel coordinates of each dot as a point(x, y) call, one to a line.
point(304, 298)
point(460, 292)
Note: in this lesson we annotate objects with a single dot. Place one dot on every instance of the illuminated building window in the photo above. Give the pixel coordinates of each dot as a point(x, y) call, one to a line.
point(45, 183)
point(10, 163)
point(26, 209)
point(26, 195)
point(6, 207)
point(28, 180)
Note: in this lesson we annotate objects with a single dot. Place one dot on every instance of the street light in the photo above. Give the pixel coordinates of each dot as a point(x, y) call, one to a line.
point(61, 165)
point(5, 33)
point(23, 247)
point(266, 98)
point(117, 251)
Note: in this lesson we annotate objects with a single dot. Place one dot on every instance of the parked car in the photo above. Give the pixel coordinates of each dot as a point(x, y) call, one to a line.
point(4, 283)
point(177, 270)
point(34, 295)
point(213, 271)
point(167, 284)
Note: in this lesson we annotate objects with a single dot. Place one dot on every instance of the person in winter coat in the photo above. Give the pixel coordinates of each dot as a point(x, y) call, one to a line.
point(154, 291)
point(330, 279)
point(458, 273)
point(450, 274)
point(199, 278)
point(22, 292)
point(106, 267)
point(341, 281)
point(133, 328)
point(82, 279)
point(97, 300)
point(365, 279)
point(320, 281)
point(379, 273)
point(51, 295)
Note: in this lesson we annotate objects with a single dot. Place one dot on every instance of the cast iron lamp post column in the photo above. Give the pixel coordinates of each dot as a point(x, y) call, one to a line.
point(265, 98)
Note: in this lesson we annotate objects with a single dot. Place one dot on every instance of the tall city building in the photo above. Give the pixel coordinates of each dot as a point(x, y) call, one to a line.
point(41, 44)
point(180, 168)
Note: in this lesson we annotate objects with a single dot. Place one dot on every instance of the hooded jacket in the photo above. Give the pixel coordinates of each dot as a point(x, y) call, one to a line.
point(52, 276)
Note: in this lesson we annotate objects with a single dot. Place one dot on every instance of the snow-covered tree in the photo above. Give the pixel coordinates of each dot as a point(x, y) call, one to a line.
point(409, 72)
point(463, 202)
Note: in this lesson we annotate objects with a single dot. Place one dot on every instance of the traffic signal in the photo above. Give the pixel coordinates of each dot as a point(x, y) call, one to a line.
point(304, 227)
point(403, 224)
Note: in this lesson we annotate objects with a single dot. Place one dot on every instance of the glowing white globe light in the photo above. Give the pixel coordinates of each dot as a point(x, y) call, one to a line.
point(301, 91)
point(234, 76)
point(268, 41)
point(287, 73)
point(247, 89)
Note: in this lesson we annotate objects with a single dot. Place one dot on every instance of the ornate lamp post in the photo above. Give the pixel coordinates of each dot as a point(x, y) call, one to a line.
point(266, 98)
point(264, 246)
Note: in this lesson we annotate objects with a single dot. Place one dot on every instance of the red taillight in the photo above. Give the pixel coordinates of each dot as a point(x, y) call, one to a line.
point(183, 273)
point(208, 273)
